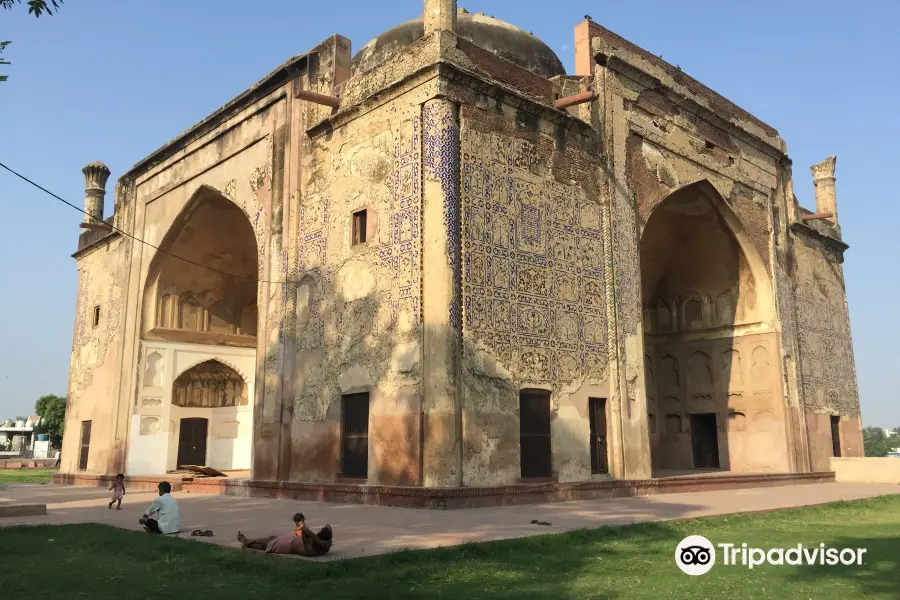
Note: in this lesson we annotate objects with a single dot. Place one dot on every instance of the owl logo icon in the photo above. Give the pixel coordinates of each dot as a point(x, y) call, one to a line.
point(695, 555)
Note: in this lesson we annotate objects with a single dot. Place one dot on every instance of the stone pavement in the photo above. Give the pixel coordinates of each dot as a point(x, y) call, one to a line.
point(362, 530)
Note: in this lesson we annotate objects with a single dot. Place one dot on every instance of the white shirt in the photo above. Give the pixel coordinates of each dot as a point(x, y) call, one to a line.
point(167, 514)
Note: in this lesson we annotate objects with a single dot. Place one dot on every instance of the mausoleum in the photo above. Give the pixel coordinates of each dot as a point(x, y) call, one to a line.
point(444, 262)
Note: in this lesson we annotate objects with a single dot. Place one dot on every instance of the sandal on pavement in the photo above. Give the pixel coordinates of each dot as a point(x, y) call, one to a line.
point(201, 533)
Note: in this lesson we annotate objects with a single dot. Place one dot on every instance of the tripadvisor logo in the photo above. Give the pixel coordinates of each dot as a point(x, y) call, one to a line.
point(696, 555)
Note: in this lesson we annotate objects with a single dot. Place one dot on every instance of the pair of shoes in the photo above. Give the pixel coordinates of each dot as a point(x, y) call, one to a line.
point(536, 522)
point(202, 533)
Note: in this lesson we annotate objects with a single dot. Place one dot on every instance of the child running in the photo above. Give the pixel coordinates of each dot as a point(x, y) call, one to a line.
point(118, 489)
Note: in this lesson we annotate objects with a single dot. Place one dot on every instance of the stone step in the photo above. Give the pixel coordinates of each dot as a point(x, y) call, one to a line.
point(22, 510)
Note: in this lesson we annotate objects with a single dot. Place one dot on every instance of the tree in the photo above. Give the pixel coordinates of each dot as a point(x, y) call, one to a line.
point(893, 440)
point(876, 442)
point(52, 411)
point(36, 8)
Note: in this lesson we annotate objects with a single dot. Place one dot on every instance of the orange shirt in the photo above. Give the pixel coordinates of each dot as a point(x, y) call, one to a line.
point(299, 530)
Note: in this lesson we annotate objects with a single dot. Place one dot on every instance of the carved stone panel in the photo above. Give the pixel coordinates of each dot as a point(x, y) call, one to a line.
point(210, 384)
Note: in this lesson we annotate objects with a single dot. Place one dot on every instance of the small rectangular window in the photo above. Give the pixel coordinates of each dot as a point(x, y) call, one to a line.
point(96, 318)
point(359, 227)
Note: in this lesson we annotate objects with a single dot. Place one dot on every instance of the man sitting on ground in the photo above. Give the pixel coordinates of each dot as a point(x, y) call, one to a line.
point(303, 540)
point(167, 517)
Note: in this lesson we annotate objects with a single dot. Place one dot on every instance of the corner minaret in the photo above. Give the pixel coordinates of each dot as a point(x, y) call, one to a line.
point(95, 176)
point(440, 14)
point(823, 179)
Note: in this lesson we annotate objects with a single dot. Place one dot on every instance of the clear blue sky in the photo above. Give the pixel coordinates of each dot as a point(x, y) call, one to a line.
point(112, 81)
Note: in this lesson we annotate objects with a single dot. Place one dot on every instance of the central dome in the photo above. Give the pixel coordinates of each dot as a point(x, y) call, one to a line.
point(505, 40)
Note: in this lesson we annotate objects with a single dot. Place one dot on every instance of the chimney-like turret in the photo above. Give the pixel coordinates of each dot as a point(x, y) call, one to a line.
point(823, 179)
point(440, 14)
point(95, 176)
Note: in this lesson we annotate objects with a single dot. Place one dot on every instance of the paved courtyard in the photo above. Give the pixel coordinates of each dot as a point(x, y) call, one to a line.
point(362, 530)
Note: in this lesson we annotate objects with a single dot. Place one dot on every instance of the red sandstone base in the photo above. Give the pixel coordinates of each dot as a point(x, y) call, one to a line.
point(451, 498)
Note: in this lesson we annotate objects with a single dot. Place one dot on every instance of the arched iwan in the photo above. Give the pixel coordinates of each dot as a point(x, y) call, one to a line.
point(201, 285)
point(697, 258)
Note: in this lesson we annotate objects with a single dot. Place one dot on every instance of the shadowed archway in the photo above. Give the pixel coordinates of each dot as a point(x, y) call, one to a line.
point(215, 303)
point(711, 354)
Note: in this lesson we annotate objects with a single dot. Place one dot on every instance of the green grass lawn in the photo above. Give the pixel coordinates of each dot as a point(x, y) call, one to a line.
point(96, 561)
point(26, 475)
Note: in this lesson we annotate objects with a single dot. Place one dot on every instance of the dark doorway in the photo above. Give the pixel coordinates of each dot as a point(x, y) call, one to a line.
point(85, 445)
point(534, 434)
point(836, 436)
point(192, 442)
point(705, 441)
point(355, 436)
point(597, 415)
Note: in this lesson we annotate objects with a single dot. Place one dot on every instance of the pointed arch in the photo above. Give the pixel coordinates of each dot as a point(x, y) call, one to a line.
point(203, 192)
point(210, 383)
point(706, 190)
point(696, 254)
point(218, 358)
point(203, 277)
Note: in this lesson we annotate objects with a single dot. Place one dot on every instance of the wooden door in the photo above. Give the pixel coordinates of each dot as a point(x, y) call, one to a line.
point(534, 434)
point(85, 445)
point(599, 453)
point(192, 442)
point(355, 436)
point(835, 436)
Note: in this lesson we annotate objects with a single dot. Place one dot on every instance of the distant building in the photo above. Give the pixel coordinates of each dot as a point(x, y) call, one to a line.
point(17, 439)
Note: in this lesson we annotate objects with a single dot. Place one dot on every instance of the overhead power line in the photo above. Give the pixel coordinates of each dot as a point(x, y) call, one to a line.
point(137, 239)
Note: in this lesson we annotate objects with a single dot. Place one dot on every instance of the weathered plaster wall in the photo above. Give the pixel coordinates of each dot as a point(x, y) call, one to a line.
point(96, 352)
point(821, 448)
point(783, 207)
point(359, 308)
point(534, 290)
point(826, 348)
point(827, 366)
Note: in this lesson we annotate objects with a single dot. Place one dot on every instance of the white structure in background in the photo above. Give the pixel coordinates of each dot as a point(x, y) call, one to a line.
point(18, 439)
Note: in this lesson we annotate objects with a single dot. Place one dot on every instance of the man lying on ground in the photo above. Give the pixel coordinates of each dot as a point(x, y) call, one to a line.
point(303, 541)
point(165, 510)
